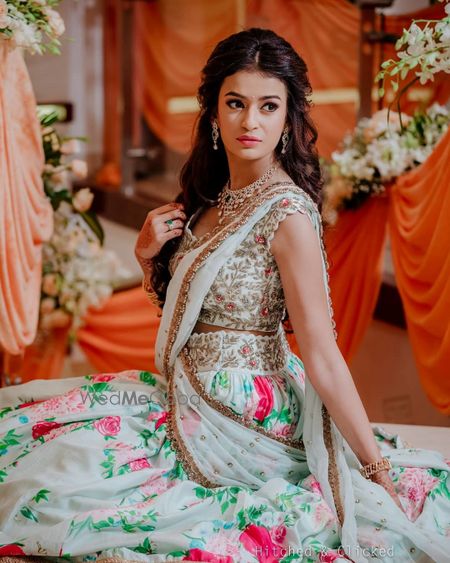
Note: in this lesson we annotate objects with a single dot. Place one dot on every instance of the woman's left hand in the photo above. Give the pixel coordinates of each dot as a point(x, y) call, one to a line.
point(382, 478)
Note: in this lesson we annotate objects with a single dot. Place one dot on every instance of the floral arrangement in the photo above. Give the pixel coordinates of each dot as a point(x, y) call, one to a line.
point(31, 24)
point(78, 272)
point(380, 149)
point(424, 47)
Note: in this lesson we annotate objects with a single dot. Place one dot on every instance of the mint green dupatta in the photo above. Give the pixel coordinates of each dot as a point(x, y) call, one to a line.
point(219, 449)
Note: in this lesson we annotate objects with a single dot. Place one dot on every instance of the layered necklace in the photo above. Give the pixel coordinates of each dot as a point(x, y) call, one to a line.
point(229, 201)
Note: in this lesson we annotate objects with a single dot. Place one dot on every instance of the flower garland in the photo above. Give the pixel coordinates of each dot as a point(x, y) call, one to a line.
point(380, 149)
point(77, 272)
point(27, 23)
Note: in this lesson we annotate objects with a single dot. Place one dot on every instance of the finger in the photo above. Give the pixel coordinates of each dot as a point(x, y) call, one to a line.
point(165, 208)
point(172, 214)
point(172, 234)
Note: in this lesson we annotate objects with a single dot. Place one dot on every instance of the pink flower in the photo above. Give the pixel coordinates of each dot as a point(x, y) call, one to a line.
point(11, 549)
point(264, 388)
point(260, 239)
point(42, 428)
point(285, 202)
point(268, 271)
point(264, 311)
point(278, 533)
point(252, 363)
point(219, 298)
point(414, 484)
point(257, 540)
point(138, 464)
point(100, 377)
point(201, 555)
point(161, 420)
point(245, 349)
point(230, 306)
point(108, 426)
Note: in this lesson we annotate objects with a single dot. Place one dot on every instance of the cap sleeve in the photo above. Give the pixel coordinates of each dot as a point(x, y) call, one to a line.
point(280, 209)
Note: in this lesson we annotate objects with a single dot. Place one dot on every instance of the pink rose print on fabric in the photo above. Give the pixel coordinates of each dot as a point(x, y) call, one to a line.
point(220, 542)
point(42, 428)
point(160, 417)
point(414, 485)
point(258, 541)
point(11, 549)
point(278, 533)
point(264, 388)
point(332, 555)
point(108, 426)
point(201, 555)
point(312, 484)
point(102, 377)
point(70, 402)
point(138, 464)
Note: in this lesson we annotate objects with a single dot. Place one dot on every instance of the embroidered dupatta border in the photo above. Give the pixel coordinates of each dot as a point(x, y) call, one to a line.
point(181, 451)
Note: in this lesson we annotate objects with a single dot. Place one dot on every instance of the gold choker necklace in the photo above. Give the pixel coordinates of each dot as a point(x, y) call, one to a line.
point(229, 201)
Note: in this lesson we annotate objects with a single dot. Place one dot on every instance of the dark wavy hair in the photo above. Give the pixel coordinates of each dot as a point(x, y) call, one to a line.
point(206, 170)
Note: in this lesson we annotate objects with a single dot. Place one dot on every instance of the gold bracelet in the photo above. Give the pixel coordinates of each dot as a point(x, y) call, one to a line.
point(371, 468)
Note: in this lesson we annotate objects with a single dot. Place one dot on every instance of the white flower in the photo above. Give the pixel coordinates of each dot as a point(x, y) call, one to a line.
point(72, 146)
point(82, 200)
point(55, 21)
point(79, 168)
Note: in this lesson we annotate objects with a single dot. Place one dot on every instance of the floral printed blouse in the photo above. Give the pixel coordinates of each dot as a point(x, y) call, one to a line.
point(247, 293)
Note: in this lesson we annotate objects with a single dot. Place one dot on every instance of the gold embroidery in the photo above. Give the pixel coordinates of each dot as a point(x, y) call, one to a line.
point(181, 452)
point(224, 409)
point(333, 473)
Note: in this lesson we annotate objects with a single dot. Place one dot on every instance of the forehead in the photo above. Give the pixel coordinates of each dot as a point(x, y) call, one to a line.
point(253, 85)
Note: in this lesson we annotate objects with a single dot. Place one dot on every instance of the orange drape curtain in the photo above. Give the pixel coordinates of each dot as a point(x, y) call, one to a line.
point(419, 223)
point(172, 41)
point(26, 218)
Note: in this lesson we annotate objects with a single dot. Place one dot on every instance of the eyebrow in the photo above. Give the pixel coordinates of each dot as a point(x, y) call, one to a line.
point(243, 97)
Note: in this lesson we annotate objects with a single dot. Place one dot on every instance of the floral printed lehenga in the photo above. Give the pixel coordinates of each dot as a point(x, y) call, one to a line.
point(229, 455)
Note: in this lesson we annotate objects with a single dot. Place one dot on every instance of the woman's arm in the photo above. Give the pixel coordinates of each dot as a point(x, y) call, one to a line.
point(297, 251)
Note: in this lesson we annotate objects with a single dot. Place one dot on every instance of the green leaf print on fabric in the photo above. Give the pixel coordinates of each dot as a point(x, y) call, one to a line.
point(10, 439)
point(287, 502)
point(144, 547)
point(247, 516)
point(147, 377)
point(3, 475)
point(41, 495)
point(441, 489)
point(5, 411)
point(28, 513)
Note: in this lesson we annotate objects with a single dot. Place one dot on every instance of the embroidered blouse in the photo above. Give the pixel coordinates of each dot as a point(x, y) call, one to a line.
point(247, 293)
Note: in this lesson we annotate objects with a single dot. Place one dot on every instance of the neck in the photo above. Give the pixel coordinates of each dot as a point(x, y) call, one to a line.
point(244, 172)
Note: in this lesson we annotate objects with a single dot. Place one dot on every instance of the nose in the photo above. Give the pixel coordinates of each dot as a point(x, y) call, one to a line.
point(250, 118)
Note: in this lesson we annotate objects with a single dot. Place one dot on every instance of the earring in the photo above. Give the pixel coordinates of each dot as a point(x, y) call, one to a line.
point(215, 134)
point(285, 139)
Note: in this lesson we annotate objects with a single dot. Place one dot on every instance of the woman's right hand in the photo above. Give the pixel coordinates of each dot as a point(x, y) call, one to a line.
point(155, 232)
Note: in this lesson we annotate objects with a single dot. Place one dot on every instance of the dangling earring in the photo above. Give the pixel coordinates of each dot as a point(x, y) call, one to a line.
point(285, 139)
point(215, 134)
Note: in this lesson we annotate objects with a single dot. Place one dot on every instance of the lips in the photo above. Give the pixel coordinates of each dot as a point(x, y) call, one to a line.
point(248, 138)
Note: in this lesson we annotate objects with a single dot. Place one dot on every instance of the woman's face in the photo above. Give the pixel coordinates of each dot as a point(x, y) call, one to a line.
point(251, 105)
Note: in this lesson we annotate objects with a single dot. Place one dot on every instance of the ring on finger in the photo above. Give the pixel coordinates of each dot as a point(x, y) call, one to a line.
point(169, 223)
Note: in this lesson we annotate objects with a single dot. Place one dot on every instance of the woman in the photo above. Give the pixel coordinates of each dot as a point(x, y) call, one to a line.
point(242, 457)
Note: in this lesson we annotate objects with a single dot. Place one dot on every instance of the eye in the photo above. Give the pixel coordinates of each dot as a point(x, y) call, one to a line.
point(234, 102)
point(274, 106)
